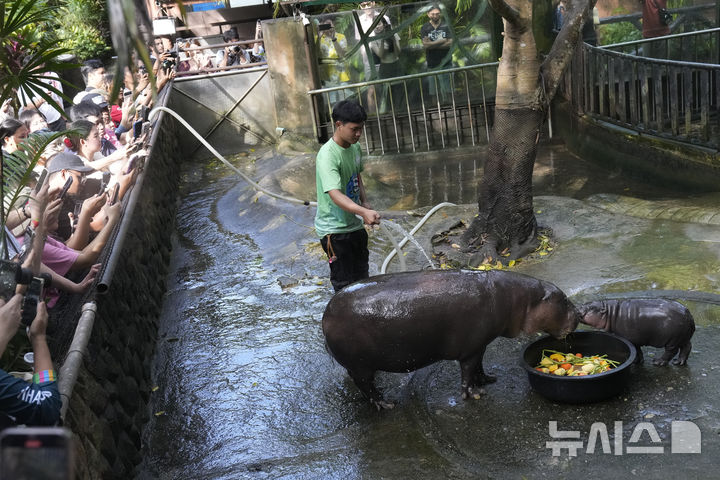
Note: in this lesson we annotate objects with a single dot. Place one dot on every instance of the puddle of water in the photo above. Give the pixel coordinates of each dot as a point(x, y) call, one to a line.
point(247, 390)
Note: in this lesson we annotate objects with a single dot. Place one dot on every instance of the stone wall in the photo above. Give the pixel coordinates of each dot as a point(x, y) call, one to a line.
point(108, 407)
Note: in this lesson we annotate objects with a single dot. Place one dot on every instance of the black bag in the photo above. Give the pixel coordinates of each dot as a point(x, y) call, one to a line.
point(665, 17)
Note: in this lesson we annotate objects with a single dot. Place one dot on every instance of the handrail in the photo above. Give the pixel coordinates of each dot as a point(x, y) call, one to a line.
point(659, 39)
point(103, 284)
point(656, 61)
point(70, 369)
point(671, 99)
point(412, 76)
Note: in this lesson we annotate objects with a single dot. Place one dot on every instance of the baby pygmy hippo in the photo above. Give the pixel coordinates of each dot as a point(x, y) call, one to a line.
point(659, 323)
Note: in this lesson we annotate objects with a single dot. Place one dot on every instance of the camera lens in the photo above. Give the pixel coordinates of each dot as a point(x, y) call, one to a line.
point(236, 49)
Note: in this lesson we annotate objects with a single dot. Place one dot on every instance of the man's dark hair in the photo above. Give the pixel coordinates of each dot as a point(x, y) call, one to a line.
point(230, 35)
point(348, 111)
point(8, 127)
point(27, 115)
point(83, 110)
point(89, 66)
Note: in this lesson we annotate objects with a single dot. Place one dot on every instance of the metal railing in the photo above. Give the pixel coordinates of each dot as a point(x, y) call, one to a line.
point(199, 62)
point(702, 46)
point(429, 110)
point(674, 99)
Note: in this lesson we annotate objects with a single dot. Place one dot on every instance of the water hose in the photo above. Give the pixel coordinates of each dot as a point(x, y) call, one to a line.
point(256, 186)
point(397, 247)
point(417, 227)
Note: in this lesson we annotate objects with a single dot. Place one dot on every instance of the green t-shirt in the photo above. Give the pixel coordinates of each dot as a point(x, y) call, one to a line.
point(337, 168)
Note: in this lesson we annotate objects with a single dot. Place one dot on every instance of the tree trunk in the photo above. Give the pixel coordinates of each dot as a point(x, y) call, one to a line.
point(506, 221)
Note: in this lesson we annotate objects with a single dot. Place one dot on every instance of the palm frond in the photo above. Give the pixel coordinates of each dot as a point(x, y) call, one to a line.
point(17, 168)
point(22, 13)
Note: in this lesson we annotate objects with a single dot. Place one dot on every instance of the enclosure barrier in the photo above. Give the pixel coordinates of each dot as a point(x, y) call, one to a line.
point(668, 98)
point(430, 110)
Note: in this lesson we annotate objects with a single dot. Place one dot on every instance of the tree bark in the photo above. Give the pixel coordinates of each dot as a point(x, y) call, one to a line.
point(506, 221)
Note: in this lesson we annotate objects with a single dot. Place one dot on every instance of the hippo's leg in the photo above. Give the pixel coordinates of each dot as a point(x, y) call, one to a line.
point(365, 381)
point(639, 357)
point(473, 375)
point(670, 351)
point(683, 355)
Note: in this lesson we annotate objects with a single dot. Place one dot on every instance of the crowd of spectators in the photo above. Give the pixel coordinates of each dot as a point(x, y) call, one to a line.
point(194, 56)
point(67, 210)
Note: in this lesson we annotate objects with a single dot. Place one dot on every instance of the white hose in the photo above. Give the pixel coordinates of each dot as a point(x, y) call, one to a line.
point(403, 265)
point(417, 227)
point(154, 111)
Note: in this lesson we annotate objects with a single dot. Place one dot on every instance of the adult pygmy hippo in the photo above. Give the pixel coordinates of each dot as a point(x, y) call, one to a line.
point(405, 321)
point(659, 323)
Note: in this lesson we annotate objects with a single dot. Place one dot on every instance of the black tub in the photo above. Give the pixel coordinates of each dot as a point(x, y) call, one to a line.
point(585, 389)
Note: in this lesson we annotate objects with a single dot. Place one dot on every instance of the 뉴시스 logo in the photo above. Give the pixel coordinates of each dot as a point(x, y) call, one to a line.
point(685, 437)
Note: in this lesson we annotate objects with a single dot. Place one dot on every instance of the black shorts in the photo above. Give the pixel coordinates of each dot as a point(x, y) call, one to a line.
point(348, 256)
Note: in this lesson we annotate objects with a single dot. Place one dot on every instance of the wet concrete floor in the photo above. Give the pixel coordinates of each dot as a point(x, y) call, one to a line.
point(247, 391)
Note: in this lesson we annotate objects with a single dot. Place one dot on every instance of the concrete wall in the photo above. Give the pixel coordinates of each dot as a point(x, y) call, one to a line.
point(108, 407)
point(290, 75)
point(662, 160)
point(277, 110)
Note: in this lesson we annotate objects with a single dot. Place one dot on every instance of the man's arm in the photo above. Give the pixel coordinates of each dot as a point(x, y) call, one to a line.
point(91, 252)
point(369, 216)
point(81, 236)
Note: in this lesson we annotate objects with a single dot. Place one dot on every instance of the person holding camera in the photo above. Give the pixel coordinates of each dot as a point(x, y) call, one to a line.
point(37, 403)
point(231, 54)
point(80, 252)
point(332, 47)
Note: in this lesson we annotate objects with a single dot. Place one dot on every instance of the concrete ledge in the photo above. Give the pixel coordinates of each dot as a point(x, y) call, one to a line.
point(664, 160)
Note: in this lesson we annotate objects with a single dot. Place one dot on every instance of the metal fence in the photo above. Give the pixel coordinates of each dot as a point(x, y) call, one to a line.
point(424, 111)
point(669, 98)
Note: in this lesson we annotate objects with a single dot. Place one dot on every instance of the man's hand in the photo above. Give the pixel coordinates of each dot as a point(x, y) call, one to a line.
point(51, 211)
point(94, 204)
point(89, 279)
point(10, 315)
point(39, 200)
point(370, 216)
point(9, 320)
point(39, 324)
point(113, 212)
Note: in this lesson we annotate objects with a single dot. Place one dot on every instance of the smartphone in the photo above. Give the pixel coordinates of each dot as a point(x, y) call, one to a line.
point(65, 188)
point(144, 113)
point(131, 164)
point(145, 128)
point(324, 26)
point(137, 129)
point(115, 193)
point(36, 452)
point(76, 214)
point(33, 295)
point(41, 180)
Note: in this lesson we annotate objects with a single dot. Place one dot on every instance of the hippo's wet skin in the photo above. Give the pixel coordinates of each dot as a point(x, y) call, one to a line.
point(405, 321)
point(655, 322)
